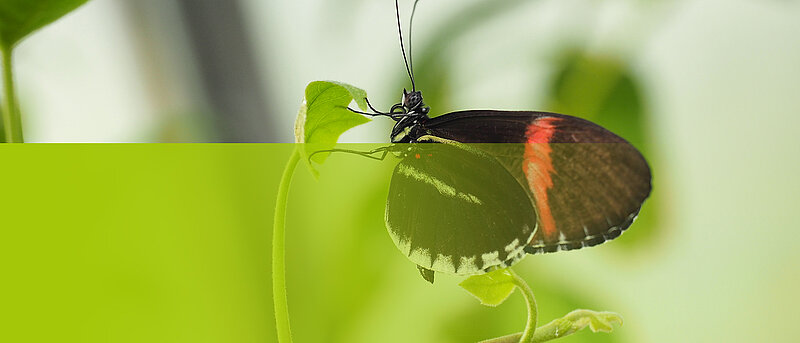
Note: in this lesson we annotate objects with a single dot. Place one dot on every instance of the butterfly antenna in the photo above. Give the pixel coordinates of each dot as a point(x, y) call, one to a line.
point(410, 55)
point(402, 46)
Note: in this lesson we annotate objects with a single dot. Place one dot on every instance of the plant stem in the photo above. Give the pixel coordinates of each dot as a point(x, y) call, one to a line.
point(571, 323)
point(279, 253)
point(530, 327)
point(533, 311)
point(512, 338)
point(11, 117)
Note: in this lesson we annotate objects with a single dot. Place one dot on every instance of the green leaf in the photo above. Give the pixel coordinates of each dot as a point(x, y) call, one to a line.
point(359, 95)
point(492, 288)
point(18, 18)
point(324, 116)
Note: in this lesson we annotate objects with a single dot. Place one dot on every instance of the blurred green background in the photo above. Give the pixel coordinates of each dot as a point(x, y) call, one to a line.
point(117, 243)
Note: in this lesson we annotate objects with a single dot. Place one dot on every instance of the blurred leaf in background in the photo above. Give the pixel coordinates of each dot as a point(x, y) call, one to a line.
point(19, 18)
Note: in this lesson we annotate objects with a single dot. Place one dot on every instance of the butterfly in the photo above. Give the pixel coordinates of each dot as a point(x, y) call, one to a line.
point(477, 190)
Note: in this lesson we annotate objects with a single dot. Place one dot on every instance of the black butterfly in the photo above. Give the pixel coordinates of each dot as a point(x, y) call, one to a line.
point(488, 186)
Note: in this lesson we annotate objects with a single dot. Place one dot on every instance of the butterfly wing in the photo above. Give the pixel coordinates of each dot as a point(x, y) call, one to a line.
point(587, 183)
point(457, 210)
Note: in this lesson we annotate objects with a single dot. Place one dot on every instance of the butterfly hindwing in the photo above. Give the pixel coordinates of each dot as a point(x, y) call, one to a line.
point(588, 184)
point(457, 210)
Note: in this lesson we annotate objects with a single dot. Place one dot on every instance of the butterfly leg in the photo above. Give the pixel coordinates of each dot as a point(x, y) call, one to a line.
point(368, 114)
point(368, 154)
point(397, 111)
point(374, 113)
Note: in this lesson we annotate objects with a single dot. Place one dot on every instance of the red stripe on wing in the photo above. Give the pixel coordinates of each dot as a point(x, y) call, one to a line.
point(538, 167)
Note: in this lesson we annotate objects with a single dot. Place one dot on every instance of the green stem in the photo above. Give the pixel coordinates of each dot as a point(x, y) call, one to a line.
point(11, 117)
point(279, 253)
point(526, 336)
point(565, 326)
point(512, 338)
point(533, 311)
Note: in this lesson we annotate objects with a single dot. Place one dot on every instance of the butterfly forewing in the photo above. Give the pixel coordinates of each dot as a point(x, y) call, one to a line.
point(455, 209)
point(587, 183)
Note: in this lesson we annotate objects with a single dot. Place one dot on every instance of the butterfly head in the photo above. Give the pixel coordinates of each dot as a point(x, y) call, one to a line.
point(411, 119)
point(412, 102)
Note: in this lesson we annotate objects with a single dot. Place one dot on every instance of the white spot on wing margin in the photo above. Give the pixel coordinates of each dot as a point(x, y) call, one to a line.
point(444, 263)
